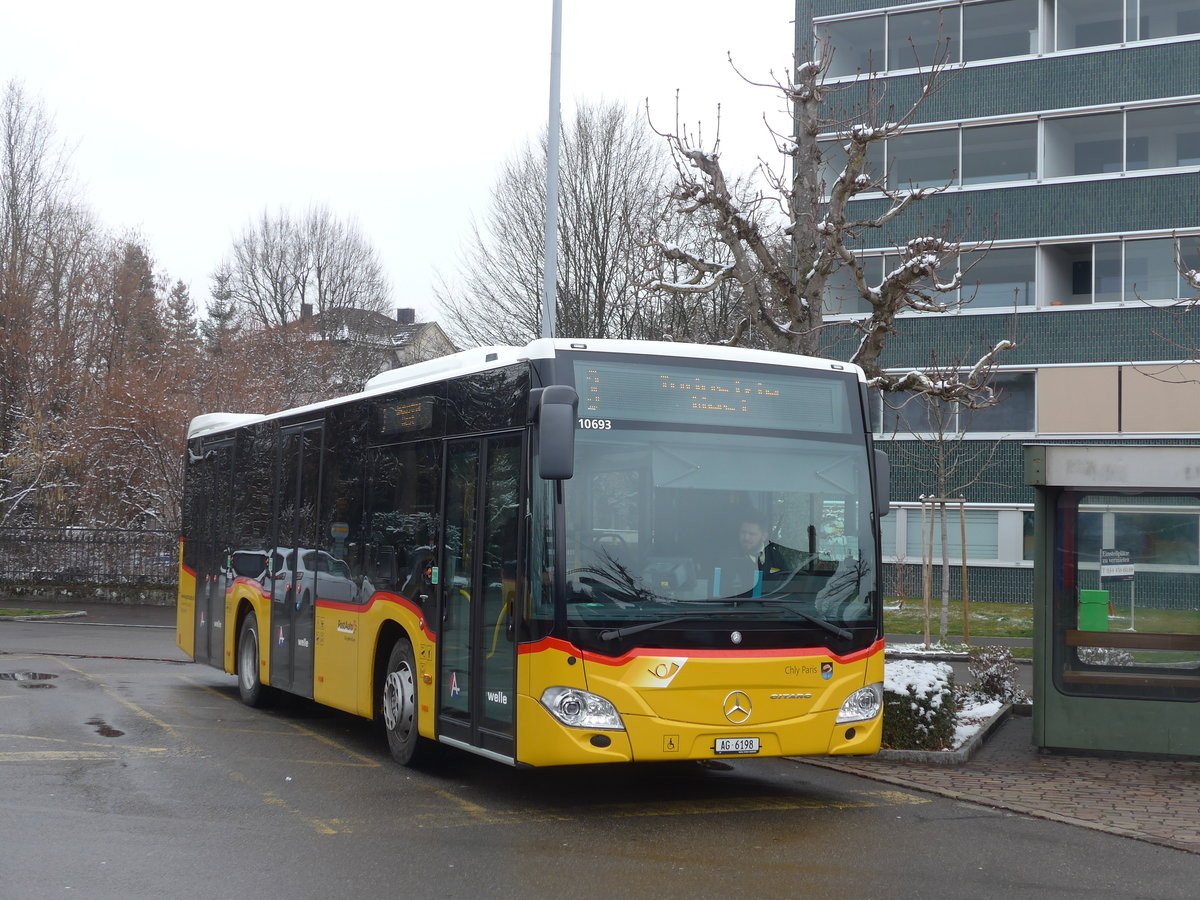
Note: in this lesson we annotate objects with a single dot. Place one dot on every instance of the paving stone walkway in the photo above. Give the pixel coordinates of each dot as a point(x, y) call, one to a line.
point(1155, 800)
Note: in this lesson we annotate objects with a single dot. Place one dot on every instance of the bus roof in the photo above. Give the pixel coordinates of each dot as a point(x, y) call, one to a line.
point(481, 359)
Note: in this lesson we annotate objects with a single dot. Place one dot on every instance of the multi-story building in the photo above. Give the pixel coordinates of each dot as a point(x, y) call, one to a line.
point(1067, 134)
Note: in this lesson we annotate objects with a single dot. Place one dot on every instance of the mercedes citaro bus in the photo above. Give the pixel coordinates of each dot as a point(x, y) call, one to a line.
point(540, 554)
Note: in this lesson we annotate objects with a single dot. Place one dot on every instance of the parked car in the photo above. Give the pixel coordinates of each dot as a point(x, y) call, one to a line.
point(302, 575)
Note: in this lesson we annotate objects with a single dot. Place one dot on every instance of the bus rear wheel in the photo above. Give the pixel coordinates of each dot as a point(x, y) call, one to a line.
point(398, 703)
point(250, 687)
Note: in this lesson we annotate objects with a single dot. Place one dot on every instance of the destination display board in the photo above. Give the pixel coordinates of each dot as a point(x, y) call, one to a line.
point(403, 417)
point(614, 391)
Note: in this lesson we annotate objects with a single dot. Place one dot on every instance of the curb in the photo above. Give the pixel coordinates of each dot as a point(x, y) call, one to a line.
point(890, 652)
point(929, 757)
point(46, 618)
point(951, 757)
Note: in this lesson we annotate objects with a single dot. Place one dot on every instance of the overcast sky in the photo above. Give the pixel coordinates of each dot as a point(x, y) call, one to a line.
point(187, 120)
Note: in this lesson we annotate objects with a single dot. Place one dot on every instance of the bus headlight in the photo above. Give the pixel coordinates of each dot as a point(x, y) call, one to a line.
point(862, 705)
point(579, 709)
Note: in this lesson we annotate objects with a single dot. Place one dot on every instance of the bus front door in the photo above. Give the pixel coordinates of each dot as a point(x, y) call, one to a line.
point(477, 651)
point(293, 567)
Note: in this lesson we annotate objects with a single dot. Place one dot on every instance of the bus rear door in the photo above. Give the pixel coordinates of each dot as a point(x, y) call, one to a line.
point(210, 549)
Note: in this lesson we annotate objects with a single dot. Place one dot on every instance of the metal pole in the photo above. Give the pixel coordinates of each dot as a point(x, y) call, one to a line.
point(966, 600)
point(550, 268)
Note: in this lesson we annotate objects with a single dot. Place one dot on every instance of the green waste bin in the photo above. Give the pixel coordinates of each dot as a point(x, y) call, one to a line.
point(1093, 610)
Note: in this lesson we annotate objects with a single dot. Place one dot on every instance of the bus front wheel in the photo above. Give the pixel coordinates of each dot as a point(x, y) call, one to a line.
point(250, 687)
point(399, 705)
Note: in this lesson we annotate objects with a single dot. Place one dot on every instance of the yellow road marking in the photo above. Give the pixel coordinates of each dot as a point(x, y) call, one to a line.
point(320, 826)
point(364, 761)
point(71, 755)
point(474, 814)
point(205, 687)
point(106, 744)
point(133, 707)
point(309, 733)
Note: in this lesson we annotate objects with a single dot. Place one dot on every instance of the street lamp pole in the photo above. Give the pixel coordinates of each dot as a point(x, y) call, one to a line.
point(550, 266)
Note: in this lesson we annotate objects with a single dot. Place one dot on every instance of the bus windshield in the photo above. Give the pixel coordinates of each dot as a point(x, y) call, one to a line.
point(755, 516)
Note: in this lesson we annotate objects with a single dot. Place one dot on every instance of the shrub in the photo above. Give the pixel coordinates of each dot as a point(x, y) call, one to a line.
point(996, 675)
point(1106, 656)
point(919, 708)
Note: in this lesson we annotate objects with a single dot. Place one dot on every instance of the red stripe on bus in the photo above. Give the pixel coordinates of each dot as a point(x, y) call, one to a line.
point(781, 653)
point(379, 597)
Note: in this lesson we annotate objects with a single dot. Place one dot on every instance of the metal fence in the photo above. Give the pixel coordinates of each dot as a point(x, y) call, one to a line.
point(100, 557)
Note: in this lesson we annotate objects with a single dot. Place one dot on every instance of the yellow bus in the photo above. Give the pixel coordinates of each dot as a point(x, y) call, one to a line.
point(573, 552)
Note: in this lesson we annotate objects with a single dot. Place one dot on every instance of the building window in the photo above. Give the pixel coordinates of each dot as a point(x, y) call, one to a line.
point(1150, 272)
point(922, 159)
point(994, 535)
point(833, 162)
point(994, 153)
point(887, 535)
point(1082, 145)
point(842, 296)
point(996, 30)
point(1084, 272)
point(1000, 277)
point(1114, 271)
point(981, 526)
point(856, 45)
point(1004, 28)
point(1163, 138)
point(1068, 271)
point(911, 412)
point(1014, 411)
point(1095, 144)
point(1087, 23)
point(1162, 18)
point(921, 39)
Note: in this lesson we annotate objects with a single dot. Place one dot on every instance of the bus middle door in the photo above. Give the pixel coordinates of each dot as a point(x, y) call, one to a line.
point(293, 566)
point(476, 647)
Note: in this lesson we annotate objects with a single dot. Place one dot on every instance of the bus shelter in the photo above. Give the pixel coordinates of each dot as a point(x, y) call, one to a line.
point(1116, 537)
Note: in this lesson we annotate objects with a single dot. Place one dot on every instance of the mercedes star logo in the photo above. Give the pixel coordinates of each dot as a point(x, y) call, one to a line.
point(737, 707)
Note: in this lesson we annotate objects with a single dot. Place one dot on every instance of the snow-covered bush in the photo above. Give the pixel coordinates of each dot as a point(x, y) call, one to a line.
point(920, 711)
point(995, 674)
point(1105, 656)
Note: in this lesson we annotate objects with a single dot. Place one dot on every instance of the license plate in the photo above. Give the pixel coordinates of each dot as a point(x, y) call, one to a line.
point(736, 745)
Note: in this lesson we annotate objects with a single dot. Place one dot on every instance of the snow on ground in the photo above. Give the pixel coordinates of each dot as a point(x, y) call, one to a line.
point(973, 716)
point(929, 678)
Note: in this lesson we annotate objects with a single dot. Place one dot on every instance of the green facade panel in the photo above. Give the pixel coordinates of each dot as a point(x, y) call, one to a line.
point(1046, 84)
point(1132, 333)
point(1054, 209)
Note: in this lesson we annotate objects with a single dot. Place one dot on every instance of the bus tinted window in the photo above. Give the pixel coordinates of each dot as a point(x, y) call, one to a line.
point(488, 400)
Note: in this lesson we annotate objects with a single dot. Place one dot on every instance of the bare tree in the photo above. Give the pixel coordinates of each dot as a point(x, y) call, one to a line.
point(785, 232)
point(35, 205)
point(930, 439)
point(280, 268)
point(613, 185)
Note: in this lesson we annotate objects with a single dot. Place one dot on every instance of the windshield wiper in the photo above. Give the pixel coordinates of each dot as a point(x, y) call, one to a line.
point(613, 633)
point(816, 620)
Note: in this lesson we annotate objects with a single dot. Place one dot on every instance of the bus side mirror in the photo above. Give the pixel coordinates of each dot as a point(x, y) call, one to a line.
point(556, 409)
point(883, 483)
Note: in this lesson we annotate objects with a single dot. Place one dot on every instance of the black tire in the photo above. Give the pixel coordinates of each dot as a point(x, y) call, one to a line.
point(250, 687)
point(398, 706)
